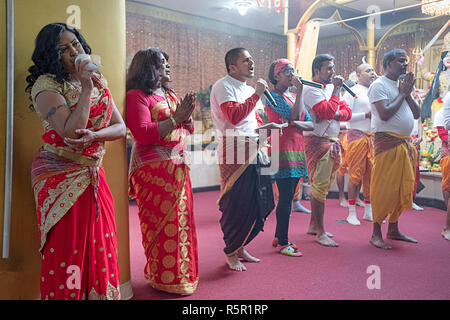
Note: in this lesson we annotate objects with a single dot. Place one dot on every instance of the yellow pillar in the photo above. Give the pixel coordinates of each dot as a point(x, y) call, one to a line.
point(2, 112)
point(292, 40)
point(102, 23)
point(371, 42)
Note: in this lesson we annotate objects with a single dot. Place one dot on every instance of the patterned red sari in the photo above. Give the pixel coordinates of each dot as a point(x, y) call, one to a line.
point(75, 208)
point(160, 182)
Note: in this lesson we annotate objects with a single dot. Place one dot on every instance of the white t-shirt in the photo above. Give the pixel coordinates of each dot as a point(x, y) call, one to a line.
point(415, 130)
point(230, 89)
point(439, 120)
point(446, 108)
point(312, 96)
point(402, 122)
point(360, 106)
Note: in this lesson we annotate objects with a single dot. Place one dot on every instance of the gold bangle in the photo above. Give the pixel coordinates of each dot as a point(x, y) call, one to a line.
point(174, 123)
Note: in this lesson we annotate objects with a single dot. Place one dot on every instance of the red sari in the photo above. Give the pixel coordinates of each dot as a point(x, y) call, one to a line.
point(75, 208)
point(160, 182)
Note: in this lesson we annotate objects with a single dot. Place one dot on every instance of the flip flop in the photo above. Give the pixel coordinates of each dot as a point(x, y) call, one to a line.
point(275, 244)
point(288, 250)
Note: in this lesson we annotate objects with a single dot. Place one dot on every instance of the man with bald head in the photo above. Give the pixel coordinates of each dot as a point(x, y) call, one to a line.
point(359, 153)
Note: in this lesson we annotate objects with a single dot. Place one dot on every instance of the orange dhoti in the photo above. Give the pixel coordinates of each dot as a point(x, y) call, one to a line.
point(393, 176)
point(164, 197)
point(445, 165)
point(445, 170)
point(343, 137)
point(359, 157)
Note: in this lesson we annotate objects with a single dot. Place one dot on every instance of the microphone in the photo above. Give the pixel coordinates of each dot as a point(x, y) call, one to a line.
point(92, 66)
point(309, 83)
point(347, 88)
point(270, 98)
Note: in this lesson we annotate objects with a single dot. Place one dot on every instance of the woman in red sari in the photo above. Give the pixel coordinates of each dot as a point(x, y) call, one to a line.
point(159, 173)
point(75, 208)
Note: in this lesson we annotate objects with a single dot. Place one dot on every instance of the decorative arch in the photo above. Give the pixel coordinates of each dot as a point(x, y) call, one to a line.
point(337, 17)
point(369, 46)
point(392, 29)
point(307, 14)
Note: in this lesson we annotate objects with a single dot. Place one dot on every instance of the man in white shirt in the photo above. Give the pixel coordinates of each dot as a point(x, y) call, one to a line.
point(393, 113)
point(322, 145)
point(246, 196)
point(359, 153)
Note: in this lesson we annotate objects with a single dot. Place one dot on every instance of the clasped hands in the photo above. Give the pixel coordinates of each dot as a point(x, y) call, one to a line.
point(185, 108)
point(406, 86)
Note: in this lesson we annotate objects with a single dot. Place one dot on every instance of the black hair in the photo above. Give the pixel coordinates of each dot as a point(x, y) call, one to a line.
point(231, 56)
point(390, 56)
point(272, 72)
point(143, 73)
point(319, 60)
point(47, 55)
point(433, 93)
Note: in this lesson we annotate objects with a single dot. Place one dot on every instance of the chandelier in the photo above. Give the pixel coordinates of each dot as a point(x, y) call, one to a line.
point(436, 8)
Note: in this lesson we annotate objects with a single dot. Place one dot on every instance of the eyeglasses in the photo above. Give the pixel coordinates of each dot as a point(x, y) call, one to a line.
point(288, 71)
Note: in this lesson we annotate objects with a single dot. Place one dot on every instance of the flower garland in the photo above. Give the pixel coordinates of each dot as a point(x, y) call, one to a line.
point(431, 148)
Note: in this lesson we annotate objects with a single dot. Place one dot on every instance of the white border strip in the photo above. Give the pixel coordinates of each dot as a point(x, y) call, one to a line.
point(126, 290)
point(9, 125)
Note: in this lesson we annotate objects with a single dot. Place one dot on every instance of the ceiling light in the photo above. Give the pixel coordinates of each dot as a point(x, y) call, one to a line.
point(242, 6)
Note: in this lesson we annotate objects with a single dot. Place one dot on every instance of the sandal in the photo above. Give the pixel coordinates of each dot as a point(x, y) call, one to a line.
point(288, 250)
point(275, 244)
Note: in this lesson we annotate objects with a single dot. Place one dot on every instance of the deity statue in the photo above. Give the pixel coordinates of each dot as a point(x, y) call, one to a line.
point(440, 81)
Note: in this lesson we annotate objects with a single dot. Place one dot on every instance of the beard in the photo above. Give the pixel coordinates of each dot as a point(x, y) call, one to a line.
point(328, 81)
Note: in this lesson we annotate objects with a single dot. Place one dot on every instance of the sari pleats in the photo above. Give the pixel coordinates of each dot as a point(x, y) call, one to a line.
point(164, 197)
point(79, 258)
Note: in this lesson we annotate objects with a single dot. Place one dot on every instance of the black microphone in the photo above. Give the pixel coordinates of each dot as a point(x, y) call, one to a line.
point(310, 83)
point(270, 98)
point(347, 88)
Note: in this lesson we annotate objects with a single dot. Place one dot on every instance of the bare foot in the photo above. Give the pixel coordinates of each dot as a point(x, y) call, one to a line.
point(360, 203)
point(234, 263)
point(313, 232)
point(324, 240)
point(244, 255)
point(400, 237)
point(379, 243)
point(343, 203)
point(446, 234)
